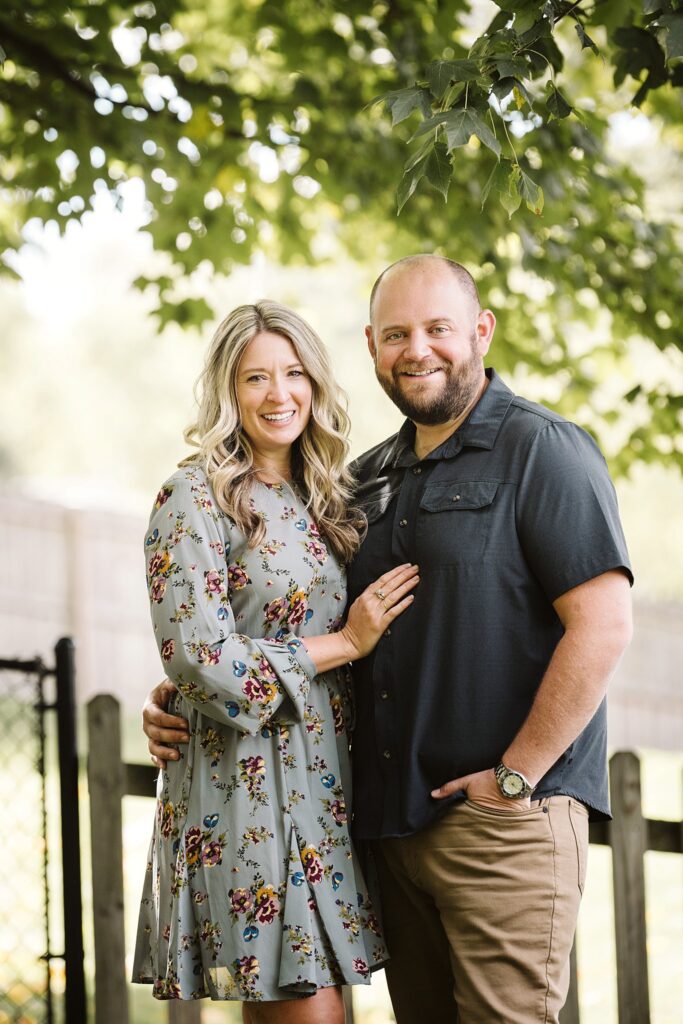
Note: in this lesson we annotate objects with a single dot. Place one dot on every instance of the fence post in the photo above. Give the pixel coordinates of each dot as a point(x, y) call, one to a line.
point(65, 678)
point(629, 841)
point(184, 1011)
point(105, 785)
point(570, 1013)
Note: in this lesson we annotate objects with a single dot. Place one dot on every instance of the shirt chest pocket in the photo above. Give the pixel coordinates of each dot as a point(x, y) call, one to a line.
point(454, 522)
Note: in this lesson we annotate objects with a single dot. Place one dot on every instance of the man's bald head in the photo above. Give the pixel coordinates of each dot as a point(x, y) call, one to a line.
point(462, 275)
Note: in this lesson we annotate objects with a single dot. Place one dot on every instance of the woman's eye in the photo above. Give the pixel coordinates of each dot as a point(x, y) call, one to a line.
point(255, 378)
point(296, 373)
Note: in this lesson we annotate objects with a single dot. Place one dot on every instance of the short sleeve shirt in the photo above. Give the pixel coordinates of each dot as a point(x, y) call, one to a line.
point(513, 510)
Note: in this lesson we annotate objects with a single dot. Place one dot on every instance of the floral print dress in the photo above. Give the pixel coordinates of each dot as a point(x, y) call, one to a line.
point(252, 890)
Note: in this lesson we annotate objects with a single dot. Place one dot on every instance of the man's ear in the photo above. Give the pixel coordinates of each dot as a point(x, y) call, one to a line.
point(486, 325)
point(371, 342)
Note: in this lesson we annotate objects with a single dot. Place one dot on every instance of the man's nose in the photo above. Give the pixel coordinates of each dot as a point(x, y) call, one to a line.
point(417, 346)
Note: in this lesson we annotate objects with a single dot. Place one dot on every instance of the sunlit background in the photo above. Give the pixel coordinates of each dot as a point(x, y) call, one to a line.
point(93, 403)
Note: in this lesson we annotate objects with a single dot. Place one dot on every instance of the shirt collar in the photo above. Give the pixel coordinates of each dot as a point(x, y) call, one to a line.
point(479, 430)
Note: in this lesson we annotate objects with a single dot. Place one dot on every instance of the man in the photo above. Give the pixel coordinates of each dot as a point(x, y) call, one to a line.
point(479, 746)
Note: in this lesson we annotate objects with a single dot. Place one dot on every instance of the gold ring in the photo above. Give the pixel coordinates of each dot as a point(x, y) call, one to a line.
point(380, 595)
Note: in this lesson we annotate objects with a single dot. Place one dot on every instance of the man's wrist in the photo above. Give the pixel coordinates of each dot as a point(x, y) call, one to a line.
point(512, 783)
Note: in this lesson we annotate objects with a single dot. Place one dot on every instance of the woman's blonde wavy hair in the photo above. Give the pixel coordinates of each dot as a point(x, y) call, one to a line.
point(319, 455)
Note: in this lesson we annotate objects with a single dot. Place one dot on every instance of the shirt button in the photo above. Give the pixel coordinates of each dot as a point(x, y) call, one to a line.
point(417, 470)
point(384, 695)
point(403, 522)
point(456, 497)
point(387, 754)
point(387, 632)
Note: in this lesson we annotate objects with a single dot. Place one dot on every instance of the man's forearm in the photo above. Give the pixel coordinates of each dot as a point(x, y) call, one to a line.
point(570, 693)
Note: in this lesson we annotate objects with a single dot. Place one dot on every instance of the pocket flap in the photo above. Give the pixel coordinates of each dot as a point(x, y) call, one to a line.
point(460, 495)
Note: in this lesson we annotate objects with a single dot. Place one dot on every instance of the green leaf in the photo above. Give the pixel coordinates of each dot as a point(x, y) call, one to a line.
point(531, 193)
point(510, 198)
point(403, 102)
point(585, 39)
point(673, 38)
point(409, 182)
point(440, 74)
point(3, 56)
point(504, 86)
point(188, 313)
point(556, 104)
point(438, 168)
point(510, 67)
point(461, 125)
point(651, 7)
point(497, 179)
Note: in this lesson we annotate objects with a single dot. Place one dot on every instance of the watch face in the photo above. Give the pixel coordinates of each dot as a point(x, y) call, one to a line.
point(513, 784)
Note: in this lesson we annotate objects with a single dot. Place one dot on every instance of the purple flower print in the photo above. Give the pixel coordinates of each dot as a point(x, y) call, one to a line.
point(318, 550)
point(338, 809)
point(274, 611)
point(313, 867)
point(258, 691)
point(267, 905)
point(212, 854)
point(193, 842)
point(237, 577)
point(297, 608)
point(240, 900)
point(247, 966)
point(213, 581)
point(167, 649)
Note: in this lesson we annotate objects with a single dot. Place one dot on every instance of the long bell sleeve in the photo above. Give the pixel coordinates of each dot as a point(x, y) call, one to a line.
point(235, 679)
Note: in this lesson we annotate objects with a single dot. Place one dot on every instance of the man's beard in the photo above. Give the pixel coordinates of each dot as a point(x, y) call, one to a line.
point(460, 387)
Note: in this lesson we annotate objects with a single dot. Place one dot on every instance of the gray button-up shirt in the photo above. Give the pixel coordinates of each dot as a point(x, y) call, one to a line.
point(511, 511)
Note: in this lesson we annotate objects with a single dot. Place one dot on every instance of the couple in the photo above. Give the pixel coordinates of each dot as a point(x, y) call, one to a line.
point(479, 746)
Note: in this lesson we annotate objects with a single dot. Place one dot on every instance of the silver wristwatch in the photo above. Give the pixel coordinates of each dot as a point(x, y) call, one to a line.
point(512, 784)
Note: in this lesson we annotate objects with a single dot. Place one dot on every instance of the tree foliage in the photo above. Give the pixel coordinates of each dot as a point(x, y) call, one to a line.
point(272, 124)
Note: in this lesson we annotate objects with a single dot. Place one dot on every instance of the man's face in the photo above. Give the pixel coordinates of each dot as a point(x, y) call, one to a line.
point(428, 340)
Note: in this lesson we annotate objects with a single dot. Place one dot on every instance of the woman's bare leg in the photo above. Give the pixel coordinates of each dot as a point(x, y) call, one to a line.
point(325, 1007)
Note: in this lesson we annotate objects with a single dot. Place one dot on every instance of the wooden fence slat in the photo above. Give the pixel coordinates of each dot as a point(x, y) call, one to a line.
point(628, 834)
point(106, 787)
point(184, 1011)
point(570, 1014)
point(347, 995)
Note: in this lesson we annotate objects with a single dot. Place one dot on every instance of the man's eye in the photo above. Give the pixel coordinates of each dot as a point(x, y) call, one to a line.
point(394, 336)
point(440, 329)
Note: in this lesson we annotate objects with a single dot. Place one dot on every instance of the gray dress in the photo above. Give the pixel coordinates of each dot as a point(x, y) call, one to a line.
point(253, 890)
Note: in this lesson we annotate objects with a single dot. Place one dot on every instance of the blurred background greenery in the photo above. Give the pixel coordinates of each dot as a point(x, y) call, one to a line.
point(161, 162)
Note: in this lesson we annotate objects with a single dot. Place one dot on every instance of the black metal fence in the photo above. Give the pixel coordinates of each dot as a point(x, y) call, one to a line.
point(39, 789)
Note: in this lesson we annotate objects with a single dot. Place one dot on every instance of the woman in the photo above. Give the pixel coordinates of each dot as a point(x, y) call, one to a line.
point(253, 891)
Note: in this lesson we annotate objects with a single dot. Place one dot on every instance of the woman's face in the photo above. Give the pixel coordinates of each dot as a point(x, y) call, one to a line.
point(274, 393)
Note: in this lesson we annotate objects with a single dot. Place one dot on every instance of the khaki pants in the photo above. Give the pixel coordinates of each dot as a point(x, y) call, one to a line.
point(479, 913)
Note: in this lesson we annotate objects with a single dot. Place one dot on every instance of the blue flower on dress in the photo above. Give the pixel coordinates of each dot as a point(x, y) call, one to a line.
point(309, 615)
point(301, 524)
point(328, 780)
point(222, 612)
point(298, 878)
point(211, 820)
point(153, 538)
point(239, 668)
point(337, 879)
point(250, 932)
point(233, 709)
